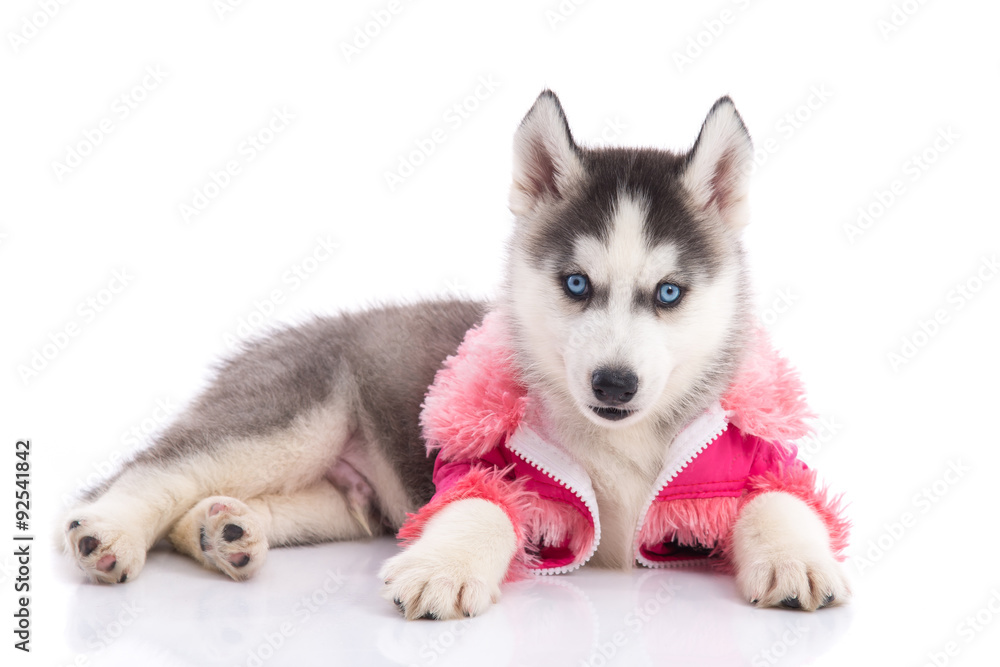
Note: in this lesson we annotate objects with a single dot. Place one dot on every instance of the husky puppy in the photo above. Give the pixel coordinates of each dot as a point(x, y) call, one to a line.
point(627, 306)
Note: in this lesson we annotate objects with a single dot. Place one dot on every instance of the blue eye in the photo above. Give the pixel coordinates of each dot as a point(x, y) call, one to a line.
point(668, 294)
point(577, 285)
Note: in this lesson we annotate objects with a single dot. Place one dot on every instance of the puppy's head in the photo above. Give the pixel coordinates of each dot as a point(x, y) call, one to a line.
point(626, 291)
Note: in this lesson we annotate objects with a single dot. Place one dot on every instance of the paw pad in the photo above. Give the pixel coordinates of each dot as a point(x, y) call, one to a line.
point(230, 536)
point(87, 544)
point(232, 532)
point(240, 560)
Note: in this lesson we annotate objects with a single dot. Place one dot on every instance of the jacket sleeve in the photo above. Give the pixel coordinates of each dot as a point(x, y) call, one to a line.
point(776, 467)
point(485, 479)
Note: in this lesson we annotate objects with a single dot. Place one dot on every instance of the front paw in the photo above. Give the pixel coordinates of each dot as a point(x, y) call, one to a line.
point(783, 557)
point(423, 584)
point(793, 581)
point(456, 566)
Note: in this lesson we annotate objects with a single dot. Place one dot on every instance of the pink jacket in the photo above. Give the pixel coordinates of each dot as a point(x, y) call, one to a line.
point(478, 418)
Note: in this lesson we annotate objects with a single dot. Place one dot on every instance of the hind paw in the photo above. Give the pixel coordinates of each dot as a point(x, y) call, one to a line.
point(230, 536)
point(105, 553)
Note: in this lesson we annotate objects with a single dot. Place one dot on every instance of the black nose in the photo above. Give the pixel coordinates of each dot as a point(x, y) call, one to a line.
point(613, 386)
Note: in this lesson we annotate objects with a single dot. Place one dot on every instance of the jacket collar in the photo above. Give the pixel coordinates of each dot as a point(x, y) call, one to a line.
point(552, 459)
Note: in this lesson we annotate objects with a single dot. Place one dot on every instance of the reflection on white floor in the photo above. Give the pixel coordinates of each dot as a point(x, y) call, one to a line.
point(320, 605)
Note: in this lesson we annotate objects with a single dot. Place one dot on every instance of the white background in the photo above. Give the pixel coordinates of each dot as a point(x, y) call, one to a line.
point(839, 102)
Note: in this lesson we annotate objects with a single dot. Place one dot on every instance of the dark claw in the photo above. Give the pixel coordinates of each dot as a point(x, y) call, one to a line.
point(73, 524)
point(232, 532)
point(399, 605)
point(430, 616)
point(87, 545)
point(466, 614)
point(754, 601)
point(204, 540)
point(791, 603)
point(124, 577)
point(828, 600)
point(243, 561)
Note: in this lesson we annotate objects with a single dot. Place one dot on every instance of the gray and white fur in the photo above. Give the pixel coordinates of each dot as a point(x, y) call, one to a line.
point(312, 434)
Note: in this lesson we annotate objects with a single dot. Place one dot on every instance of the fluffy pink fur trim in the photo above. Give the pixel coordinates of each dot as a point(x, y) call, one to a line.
point(690, 521)
point(767, 399)
point(560, 524)
point(476, 401)
point(520, 505)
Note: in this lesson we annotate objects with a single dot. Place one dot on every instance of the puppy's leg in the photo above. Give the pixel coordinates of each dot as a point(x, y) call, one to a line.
point(233, 536)
point(456, 566)
point(782, 554)
point(110, 535)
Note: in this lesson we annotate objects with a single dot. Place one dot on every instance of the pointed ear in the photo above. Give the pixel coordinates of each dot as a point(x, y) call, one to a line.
point(716, 172)
point(546, 160)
